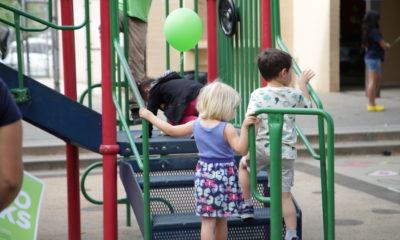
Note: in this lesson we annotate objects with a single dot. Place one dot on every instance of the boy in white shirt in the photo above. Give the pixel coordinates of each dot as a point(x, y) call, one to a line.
point(276, 68)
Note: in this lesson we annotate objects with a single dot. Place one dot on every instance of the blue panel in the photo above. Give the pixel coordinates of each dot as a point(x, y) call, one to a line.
point(133, 192)
point(158, 144)
point(56, 113)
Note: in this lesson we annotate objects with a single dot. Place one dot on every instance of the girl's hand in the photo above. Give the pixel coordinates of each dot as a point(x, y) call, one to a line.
point(305, 77)
point(249, 120)
point(146, 114)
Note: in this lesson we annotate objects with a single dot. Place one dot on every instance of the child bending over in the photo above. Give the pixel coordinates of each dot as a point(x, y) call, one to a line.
point(174, 95)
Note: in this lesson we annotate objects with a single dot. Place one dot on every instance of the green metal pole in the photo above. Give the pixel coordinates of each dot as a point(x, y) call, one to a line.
point(324, 190)
point(181, 60)
point(88, 54)
point(19, 50)
point(146, 180)
point(253, 169)
point(167, 49)
point(126, 53)
point(331, 182)
point(274, 12)
point(275, 124)
point(196, 49)
point(128, 214)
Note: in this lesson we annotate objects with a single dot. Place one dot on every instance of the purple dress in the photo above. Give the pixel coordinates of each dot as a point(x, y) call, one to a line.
point(218, 193)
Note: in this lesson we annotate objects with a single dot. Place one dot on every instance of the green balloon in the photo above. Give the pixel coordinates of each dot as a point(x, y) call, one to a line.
point(183, 29)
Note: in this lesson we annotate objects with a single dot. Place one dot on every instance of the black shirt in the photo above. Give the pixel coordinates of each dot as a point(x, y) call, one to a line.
point(171, 93)
point(9, 112)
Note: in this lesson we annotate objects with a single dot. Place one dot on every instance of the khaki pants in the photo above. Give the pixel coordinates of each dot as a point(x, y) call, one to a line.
point(137, 36)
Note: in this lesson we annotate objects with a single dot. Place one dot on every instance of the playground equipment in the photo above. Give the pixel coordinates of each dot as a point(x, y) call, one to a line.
point(159, 188)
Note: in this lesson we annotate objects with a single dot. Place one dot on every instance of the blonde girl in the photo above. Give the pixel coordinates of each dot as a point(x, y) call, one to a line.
point(218, 194)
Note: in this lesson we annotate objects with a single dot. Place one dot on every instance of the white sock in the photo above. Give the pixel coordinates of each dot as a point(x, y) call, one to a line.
point(290, 234)
point(248, 202)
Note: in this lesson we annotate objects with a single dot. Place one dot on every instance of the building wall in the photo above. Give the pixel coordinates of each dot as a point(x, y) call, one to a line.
point(310, 29)
point(390, 18)
point(316, 41)
point(156, 45)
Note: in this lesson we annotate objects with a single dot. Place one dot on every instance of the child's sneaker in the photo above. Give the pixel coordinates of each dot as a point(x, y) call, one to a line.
point(247, 212)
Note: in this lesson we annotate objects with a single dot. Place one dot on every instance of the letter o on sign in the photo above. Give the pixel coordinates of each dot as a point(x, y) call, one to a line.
point(23, 200)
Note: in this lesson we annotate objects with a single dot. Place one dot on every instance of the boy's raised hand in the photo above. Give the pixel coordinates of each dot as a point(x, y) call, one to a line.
point(305, 76)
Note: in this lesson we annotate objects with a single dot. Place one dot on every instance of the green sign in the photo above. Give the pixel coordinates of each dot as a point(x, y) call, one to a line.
point(21, 219)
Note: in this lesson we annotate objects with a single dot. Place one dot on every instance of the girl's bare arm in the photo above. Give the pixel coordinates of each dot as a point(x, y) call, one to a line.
point(178, 130)
point(240, 143)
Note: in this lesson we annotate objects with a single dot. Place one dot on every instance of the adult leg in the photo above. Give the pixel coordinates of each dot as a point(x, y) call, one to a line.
point(207, 228)
point(221, 229)
point(3, 33)
point(6, 36)
point(137, 36)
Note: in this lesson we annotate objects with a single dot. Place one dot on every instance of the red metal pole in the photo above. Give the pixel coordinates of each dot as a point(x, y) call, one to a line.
point(109, 147)
point(212, 40)
point(68, 43)
point(266, 41)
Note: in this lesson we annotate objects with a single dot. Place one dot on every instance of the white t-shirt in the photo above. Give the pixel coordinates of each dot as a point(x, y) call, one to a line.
point(278, 97)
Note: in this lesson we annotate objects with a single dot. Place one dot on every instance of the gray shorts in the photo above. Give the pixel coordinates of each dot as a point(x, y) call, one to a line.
point(262, 161)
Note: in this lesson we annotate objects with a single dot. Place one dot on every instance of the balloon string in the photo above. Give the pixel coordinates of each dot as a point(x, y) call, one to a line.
point(397, 40)
point(177, 66)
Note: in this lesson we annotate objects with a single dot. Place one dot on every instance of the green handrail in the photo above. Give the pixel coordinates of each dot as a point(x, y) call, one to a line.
point(277, 40)
point(275, 123)
point(86, 92)
point(143, 165)
point(121, 200)
point(140, 102)
point(50, 14)
point(24, 94)
point(98, 202)
point(83, 186)
point(44, 22)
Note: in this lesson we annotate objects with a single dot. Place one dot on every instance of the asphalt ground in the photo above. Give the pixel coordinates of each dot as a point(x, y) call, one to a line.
point(367, 200)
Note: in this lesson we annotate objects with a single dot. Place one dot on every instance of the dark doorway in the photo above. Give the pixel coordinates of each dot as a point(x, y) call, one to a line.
point(352, 70)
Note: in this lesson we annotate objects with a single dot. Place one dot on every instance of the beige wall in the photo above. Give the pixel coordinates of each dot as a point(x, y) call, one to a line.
point(316, 41)
point(156, 47)
point(390, 18)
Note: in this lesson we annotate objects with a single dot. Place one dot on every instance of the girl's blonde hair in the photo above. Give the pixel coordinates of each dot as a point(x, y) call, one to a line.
point(217, 101)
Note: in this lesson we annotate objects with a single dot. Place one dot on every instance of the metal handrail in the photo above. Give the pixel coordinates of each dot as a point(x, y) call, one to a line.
point(83, 186)
point(138, 97)
point(17, 15)
point(277, 40)
point(143, 165)
point(275, 124)
point(50, 14)
point(121, 200)
point(44, 22)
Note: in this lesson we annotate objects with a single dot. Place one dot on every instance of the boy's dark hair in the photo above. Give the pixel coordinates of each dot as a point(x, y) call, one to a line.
point(271, 61)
